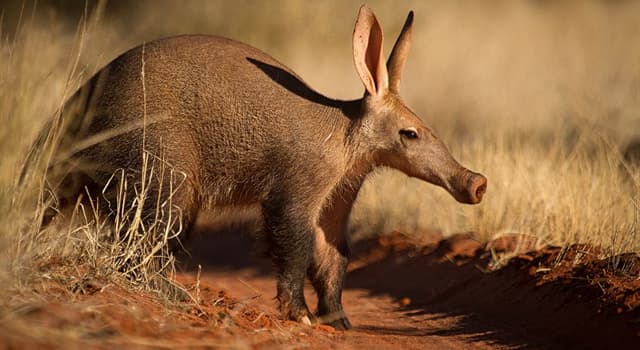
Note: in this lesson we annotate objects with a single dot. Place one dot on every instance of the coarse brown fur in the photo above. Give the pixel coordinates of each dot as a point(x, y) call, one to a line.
point(236, 127)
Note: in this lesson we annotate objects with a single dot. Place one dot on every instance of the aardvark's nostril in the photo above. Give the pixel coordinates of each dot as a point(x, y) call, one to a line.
point(478, 188)
point(480, 191)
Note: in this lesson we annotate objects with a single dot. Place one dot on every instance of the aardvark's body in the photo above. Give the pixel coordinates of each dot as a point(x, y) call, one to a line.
point(237, 127)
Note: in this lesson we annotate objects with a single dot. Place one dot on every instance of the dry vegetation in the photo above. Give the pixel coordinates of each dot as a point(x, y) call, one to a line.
point(541, 97)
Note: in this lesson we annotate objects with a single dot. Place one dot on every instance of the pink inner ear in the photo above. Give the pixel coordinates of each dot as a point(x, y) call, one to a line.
point(375, 58)
point(362, 66)
point(368, 53)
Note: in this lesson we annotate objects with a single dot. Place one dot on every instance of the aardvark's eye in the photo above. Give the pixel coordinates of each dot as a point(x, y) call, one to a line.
point(410, 133)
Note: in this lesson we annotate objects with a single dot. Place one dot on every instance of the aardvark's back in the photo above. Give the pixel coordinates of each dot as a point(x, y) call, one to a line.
point(221, 112)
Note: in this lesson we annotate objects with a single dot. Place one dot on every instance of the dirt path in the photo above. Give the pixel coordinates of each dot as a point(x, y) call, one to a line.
point(399, 294)
point(379, 322)
point(400, 298)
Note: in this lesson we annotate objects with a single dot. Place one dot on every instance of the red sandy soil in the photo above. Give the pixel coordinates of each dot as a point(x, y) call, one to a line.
point(399, 294)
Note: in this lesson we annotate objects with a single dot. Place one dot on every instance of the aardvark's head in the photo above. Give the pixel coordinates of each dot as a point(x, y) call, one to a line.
point(401, 139)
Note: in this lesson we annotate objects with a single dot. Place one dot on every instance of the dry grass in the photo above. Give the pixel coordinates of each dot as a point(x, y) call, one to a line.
point(127, 253)
point(540, 97)
point(543, 101)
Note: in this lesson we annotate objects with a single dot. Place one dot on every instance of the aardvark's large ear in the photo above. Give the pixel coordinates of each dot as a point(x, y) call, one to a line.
point(367, 53)
point(399, 54)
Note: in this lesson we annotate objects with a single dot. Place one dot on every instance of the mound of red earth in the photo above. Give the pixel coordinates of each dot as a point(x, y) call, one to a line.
point(550, 297)
point(400, 293)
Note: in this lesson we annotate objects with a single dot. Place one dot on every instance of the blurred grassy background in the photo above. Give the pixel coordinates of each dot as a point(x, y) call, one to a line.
point(542, 97)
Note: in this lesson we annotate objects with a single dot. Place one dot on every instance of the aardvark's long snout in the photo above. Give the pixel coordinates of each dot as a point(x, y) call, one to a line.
point(469, 187)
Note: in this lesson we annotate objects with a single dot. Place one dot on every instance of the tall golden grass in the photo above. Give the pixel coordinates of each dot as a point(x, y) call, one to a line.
point(541, 97)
